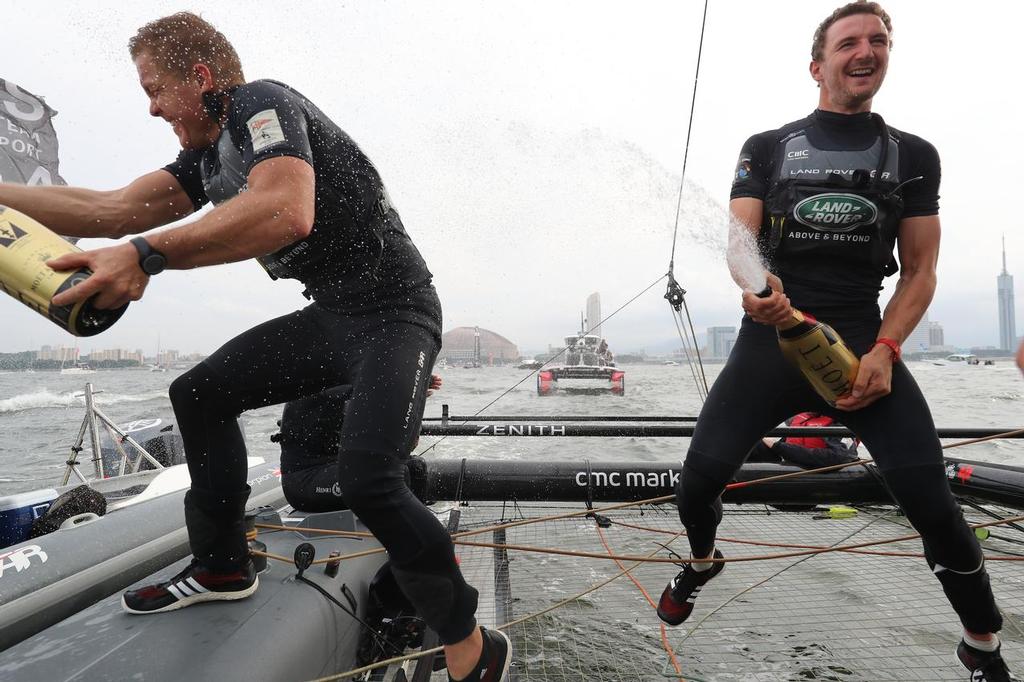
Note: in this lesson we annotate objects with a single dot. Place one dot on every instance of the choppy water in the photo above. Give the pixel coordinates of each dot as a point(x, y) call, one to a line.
point(40, 413)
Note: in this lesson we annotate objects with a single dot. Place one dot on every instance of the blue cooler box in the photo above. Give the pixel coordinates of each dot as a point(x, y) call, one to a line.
point(18, 511)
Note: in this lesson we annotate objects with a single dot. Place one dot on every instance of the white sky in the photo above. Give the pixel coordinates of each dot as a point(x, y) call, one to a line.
point(534, 148)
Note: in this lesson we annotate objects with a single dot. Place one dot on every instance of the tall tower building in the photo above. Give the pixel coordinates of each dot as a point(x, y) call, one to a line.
point(920, 339)
point(594, 314)
point(1007, 323)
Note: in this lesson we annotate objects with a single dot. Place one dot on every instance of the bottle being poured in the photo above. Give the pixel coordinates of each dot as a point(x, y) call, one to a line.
point(813, 347)
point(817, 350)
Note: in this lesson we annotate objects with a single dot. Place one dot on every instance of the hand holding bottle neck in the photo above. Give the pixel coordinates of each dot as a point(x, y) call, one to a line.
point(770, 305)
point(796, 318)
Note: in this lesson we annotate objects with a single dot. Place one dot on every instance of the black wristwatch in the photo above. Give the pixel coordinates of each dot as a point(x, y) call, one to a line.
point(151, 261)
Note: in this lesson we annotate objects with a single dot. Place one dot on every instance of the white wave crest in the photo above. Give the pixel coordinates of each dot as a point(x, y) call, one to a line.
point(45, 399)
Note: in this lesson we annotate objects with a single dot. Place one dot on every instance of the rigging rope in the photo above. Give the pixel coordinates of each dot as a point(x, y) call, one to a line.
point(674, 293)
point(510, 624)
point(689, 129)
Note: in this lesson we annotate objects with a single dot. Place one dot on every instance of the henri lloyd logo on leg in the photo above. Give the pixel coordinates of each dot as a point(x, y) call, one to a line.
point(421, 361)
point(834, 212)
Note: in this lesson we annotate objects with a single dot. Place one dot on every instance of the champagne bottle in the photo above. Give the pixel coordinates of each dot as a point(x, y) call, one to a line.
point(25, 246)
point(817, 350)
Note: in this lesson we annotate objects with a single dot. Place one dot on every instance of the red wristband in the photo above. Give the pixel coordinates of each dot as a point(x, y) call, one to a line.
point(892, 344)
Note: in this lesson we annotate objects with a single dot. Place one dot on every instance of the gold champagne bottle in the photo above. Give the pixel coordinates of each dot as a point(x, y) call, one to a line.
point(25, 246)
point(821, 355)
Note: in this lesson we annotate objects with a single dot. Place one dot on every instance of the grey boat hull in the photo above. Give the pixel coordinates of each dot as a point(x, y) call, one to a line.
point(286, 631)
point(49, 578)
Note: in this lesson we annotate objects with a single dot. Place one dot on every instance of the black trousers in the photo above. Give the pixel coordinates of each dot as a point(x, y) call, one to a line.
point(387, 362)
point(758, 389)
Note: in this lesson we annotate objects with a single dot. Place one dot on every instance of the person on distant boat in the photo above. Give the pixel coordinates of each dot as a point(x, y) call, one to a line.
point(809, 452)
point(310, 439)
point(292, 190)
point(826, 199)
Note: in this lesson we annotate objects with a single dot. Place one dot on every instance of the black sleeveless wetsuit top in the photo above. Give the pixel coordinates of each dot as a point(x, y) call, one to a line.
point(834, 198)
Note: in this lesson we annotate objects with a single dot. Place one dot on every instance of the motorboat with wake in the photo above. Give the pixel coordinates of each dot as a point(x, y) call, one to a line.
point(586, 364)
point(958, 360)
point(589, 367)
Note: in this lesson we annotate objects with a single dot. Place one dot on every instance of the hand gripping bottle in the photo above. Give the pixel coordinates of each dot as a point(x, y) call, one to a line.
point(25, 246)
point(819, 353)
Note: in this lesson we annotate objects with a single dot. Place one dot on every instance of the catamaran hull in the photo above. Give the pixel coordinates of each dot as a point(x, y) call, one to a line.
point(581, 379)
point(49, 578)
point(567, 481)
point(286, 631)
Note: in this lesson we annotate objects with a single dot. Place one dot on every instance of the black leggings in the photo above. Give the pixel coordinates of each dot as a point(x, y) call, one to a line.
point(387, 362)
point(758, 389)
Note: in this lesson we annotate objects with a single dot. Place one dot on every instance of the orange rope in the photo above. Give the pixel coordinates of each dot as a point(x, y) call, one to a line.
point(664, 633)
point(808, 550)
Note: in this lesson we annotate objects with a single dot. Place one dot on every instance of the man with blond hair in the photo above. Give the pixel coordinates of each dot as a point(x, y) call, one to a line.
point(293, 191)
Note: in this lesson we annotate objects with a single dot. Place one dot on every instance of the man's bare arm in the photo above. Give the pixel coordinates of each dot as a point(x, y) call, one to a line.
point(277, 209)
point(149, 201)
point(919, 254)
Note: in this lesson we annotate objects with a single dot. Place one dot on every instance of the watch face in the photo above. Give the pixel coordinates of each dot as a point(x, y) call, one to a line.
point(154, 264)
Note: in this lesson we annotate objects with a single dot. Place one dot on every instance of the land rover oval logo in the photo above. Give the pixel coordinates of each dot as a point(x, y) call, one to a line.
point(835, 212)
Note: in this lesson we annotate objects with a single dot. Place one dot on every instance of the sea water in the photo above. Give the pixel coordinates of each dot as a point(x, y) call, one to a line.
point(41, 413)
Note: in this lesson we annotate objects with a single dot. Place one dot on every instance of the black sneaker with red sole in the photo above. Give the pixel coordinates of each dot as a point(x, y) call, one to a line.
point(194, 584)
point(985, 666)
point(676, 603)
point(495, 658)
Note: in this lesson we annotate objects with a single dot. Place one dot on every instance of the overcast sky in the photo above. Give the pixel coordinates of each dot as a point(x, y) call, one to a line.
point(534, 149)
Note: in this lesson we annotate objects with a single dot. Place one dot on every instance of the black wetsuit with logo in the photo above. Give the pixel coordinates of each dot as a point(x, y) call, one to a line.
point(833, 207)
point(310, 439)
point(374, 324)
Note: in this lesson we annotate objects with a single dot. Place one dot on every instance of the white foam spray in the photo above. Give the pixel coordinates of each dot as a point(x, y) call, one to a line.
point(707, 223)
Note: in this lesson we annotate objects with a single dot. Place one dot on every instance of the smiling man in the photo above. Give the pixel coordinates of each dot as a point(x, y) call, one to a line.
point(827, 199)
point(293, 191)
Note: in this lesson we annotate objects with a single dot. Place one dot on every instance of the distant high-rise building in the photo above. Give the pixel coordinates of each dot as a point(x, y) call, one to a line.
point(919, 339)
point(1007, 323)
point(62, 353)
point(720, 341)
point(594, 313)
point(936, 335)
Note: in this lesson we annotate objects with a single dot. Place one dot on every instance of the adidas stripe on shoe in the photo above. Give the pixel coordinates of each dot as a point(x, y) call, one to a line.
point(194, 584)
point(679, 596)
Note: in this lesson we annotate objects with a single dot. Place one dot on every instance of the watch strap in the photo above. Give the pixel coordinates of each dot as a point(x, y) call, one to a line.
point(147, 252)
